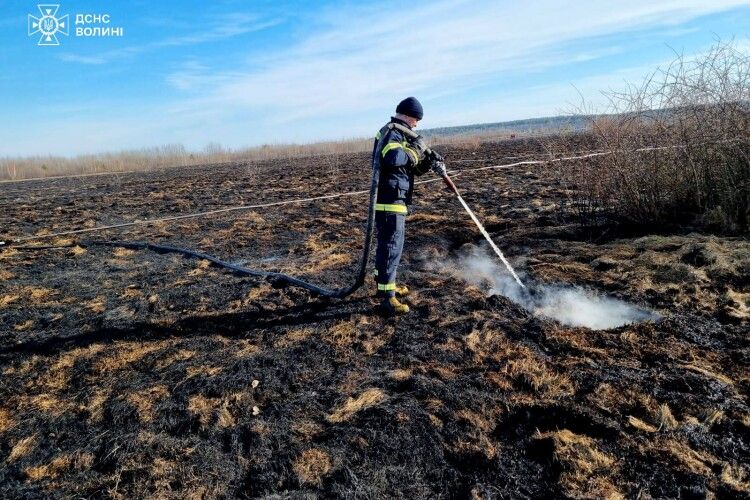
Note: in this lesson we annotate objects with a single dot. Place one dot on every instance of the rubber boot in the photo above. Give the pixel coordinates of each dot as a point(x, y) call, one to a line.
point(392, 307)
point(401, 291)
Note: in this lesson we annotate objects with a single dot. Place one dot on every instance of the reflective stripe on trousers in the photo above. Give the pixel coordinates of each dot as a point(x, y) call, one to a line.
point(398, 208)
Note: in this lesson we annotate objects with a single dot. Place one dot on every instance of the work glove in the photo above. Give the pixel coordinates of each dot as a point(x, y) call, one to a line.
point(438, 167)
point(435, 156)
point(435, 162)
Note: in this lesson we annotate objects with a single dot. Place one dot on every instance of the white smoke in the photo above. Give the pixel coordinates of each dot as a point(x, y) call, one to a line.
point(570, 305)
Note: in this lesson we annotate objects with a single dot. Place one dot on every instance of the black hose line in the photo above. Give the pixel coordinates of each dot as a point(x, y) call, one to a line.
point(275, 278)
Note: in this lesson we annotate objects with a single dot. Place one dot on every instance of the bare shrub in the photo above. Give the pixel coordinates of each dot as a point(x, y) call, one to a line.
point(680, 146)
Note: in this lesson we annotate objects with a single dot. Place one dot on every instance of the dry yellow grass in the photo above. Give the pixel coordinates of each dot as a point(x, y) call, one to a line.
point(332, 260)
point(58, 375)
point(426, 217)
point(312, 466)
point(712, 416)
point(8, 299)
point(315, 244)
point(21, 448)
point(123, 252)
point(331, 221)
point(25, 325)
point(341, 334)
point(740, 304)
point(8, 253)
point(641, 425)
point(203, 370)
point(176, 155)
point(208, 409)
point(6, 420)
point(736, 478)
point(257, 292)
point(372, 343)
point(39, 294)
point(144, 401)
point(77, 250)
point(252, 217)
point(293, 336)
point(696, 462)
point(203, 408)
point(306, 429)
point(443, 371)
point(60, 464)
point(97, 305)
point(666, 420)
point(225, 419)
point(708, 373)
point(95, 405)
point(483, 422)
point(124, 353)
point(203, 264)
point(476, 444)
point(586, 470)
point(400, 374)
point(367, 399)
point(246, 348)
point(482, 343)
point(180, 355)
point(535, 374)
point(131, 292)
point(50, 404)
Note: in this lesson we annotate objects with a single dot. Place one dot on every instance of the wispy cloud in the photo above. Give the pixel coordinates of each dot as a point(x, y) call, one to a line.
point(221, 27)
point(367, 57)
point(467, 61)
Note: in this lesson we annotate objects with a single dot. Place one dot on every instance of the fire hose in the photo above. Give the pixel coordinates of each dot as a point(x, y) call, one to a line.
point(275, 278)
point(281, 279)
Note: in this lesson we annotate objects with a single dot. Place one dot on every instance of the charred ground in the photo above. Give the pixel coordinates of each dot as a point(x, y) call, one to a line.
point(134, 374)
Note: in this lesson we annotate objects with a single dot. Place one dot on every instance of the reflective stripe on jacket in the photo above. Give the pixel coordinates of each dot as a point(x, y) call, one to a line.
point(397, 161)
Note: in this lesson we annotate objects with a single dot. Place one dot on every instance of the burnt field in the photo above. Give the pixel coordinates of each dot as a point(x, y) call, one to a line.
point(133, 374)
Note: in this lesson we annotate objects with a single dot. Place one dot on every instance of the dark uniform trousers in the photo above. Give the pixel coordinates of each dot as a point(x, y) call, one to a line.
point(391, 228)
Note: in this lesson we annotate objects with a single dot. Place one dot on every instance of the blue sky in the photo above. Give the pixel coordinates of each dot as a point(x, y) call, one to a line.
point(243, 73)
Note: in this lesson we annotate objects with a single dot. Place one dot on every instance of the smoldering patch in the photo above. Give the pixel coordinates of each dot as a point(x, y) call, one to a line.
point(570, 305)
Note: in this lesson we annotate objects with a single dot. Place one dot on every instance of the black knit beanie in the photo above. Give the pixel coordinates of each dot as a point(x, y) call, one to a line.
point(410, 107)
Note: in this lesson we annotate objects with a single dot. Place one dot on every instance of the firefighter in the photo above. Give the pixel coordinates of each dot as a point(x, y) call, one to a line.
point(400, 160)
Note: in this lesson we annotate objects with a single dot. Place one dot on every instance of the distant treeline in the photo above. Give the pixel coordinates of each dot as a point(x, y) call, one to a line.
point(530, 126)
point(176, 155)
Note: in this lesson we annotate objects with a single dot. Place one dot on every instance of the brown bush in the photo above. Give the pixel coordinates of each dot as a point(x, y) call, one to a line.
point(679, 147)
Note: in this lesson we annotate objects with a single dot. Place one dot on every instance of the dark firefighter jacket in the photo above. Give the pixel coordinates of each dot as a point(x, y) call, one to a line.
point(398, 165)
